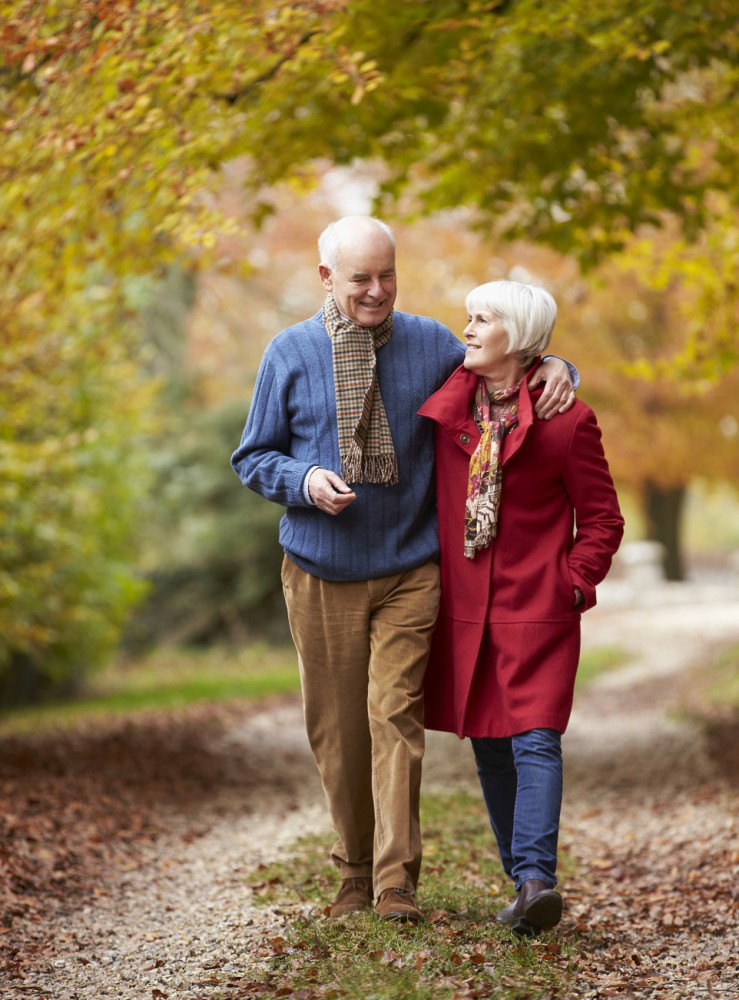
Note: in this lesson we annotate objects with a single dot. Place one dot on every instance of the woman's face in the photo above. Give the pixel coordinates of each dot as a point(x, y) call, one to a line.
point(487, 342)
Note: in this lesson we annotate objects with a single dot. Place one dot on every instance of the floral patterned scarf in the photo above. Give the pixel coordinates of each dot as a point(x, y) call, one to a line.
point(495, 415)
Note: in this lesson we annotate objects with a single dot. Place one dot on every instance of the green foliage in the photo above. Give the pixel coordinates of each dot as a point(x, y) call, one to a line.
point(573, 123)
point(69, 423)
point(213, 556)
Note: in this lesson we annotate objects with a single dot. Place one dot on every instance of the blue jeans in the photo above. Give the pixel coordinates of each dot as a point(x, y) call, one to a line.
point(521, 779)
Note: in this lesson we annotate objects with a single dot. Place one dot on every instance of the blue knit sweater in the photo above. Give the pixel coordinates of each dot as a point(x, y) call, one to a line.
point(291, 427)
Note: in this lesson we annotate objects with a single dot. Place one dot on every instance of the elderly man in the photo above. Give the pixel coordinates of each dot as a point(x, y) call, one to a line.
point(333, 435)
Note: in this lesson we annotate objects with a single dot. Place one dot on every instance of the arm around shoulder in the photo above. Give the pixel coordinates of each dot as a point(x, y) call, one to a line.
point(560, 379)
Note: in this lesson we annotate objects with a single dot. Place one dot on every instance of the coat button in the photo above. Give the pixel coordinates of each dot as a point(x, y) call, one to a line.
point(464, 438)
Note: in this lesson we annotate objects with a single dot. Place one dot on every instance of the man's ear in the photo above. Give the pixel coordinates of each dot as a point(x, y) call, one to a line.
point(325, 274)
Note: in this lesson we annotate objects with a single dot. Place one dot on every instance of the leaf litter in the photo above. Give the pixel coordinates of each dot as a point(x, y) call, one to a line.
point(649, 815)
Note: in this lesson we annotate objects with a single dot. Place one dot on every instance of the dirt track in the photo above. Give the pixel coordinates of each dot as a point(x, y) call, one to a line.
point(649, 813)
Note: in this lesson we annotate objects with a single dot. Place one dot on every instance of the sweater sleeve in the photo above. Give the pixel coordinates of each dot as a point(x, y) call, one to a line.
point(599, 524)
point(263, 460)
point(574, 373)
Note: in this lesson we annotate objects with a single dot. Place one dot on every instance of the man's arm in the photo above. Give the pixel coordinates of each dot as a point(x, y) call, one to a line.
point(560, 380)
point(263, 461)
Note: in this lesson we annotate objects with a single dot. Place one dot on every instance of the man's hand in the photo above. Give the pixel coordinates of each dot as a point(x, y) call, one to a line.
point(558, 395)
point(329, 492)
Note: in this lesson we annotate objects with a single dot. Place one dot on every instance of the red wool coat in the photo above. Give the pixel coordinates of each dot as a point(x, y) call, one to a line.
point(507, 642)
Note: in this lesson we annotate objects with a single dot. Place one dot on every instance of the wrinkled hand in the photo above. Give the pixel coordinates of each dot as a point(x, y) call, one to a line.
point(558, 395)
point(329, 492)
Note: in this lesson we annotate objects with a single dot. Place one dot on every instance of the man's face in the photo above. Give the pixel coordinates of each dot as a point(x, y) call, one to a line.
point(364, 282)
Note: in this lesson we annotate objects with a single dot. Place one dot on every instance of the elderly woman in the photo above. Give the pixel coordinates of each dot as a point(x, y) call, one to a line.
point(528, 523)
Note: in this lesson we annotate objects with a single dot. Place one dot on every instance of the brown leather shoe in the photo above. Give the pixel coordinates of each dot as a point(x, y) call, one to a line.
point(398, 905)
point(355, 894)
point(537, 908)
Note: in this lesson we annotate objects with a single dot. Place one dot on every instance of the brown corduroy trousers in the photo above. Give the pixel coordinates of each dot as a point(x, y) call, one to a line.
point(362, 648)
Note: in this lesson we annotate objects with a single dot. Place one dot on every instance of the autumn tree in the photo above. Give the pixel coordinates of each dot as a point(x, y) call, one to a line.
point(662, 434)
point(574, 124)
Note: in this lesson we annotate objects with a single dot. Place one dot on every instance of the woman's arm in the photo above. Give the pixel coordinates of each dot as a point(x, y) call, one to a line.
point(599, 524)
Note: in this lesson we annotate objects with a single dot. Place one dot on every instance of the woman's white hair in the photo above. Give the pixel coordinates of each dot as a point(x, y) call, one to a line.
point(528, 312)
point(330, 240)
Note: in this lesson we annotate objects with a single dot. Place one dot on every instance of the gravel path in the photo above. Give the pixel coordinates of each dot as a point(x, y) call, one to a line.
point(638, 782)
point(647, 813)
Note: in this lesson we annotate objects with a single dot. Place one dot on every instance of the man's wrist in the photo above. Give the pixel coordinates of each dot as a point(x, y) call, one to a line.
point(306, 487)
point(574, 373)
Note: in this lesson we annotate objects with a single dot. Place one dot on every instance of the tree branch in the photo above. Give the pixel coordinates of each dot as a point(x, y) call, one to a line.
point(269, 74)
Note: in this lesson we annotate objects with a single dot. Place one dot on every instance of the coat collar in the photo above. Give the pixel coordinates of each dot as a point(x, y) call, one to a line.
point(451, 408)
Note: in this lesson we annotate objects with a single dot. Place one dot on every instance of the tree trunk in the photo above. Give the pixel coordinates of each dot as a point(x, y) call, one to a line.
point(664, 508)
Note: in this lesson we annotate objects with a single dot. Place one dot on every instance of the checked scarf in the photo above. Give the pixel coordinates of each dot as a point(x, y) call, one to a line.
point(365, 442)
point(495, 416)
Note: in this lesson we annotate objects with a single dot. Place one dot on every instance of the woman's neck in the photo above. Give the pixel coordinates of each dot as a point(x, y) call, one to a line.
point(505, 375)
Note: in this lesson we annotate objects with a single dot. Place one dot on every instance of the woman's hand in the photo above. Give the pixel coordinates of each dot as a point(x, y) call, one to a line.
point(558, 395)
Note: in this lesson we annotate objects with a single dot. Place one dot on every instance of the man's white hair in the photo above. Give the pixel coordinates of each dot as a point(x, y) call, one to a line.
point(528, 312)
point(332, 237)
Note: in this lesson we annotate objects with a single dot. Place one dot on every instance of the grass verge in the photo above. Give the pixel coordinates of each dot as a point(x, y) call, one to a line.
point(599, 660)
point(459, 951)
point(169, 678)
point(173, 677)
point(723, 692)
point(711, 699)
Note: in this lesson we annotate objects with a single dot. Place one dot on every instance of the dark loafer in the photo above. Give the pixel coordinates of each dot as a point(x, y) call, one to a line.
point(537, 908)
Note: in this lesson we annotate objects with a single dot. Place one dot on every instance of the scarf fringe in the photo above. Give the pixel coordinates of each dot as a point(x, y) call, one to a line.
point(480, 537)
point(359, 468)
